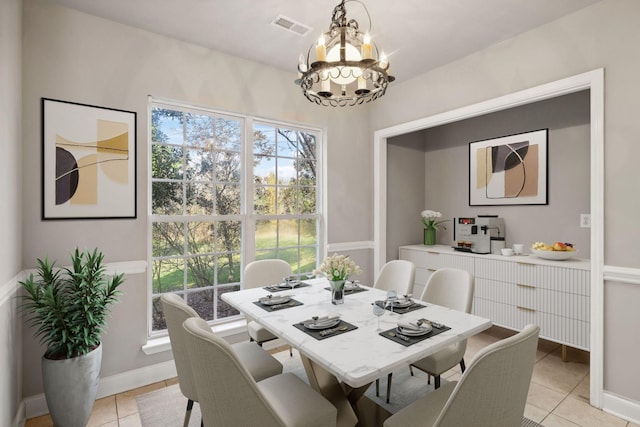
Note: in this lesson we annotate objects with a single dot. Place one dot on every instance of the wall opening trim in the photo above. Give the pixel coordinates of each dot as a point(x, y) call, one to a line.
point(594, 82)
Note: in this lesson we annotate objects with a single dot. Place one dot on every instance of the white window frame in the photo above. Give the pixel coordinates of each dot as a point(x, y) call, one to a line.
point(247, 216)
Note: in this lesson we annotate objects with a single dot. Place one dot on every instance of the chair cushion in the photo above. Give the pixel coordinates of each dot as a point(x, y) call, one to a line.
point(296, 403)
point(258, 333)
point(258, 362)
point(425, 411)
point(443, 360)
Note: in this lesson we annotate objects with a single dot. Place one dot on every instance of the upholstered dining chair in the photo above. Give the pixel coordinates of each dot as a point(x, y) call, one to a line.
point(452, 288)
point(229, 396)
point(396, 275)
point(260, 364)
point(491, 393)
point(264, 273)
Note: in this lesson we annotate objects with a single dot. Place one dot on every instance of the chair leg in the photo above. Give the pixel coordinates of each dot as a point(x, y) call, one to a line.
point(389, 386)
point(436, 382)
point(411, 369)
point(187, 414)
point(291, 352)
point(378, 387)
point(462, 366)
point(428, 378)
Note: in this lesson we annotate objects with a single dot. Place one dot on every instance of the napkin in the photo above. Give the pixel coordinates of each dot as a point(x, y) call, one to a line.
point(323, 320)
point(411, 326)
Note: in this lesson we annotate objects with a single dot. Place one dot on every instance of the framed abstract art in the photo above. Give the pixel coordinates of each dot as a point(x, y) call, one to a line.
point(88, 161)
point(509, 170)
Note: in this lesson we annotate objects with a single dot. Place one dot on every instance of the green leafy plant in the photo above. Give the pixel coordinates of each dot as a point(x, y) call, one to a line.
point(69, 306)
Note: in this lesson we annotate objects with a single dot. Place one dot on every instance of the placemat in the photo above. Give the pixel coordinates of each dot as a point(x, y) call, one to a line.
point(316, 333)
point(276, 288)
point(413, 307)
point(291, 303)
point(412, 340)
point(352, 290)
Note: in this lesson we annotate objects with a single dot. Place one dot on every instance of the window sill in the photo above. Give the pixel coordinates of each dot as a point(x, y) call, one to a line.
point(161, 344)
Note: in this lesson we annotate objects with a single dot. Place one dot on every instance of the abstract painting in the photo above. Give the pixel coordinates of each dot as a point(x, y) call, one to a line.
point(88, 161)
point(509, 170)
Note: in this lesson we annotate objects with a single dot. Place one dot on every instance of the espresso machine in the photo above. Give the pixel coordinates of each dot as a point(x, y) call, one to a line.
point(483, 234)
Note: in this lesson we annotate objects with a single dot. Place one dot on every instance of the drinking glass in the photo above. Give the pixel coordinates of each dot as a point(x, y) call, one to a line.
point(378, 310)
point(392, 296)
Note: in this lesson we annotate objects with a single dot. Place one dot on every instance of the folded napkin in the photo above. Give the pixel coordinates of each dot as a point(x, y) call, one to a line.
point(410, 326)
point(323, 320)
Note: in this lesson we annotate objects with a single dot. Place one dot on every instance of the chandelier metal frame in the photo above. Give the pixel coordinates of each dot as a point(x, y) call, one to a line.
point(345, 81)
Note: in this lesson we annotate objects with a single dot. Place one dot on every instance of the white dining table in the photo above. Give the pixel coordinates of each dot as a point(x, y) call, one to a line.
point(342, 366)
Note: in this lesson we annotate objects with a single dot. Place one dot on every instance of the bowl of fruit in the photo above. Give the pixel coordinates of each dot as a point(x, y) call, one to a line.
point(559, 251)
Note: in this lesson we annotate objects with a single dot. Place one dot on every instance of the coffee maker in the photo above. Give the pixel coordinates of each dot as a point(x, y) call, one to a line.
point(475, 234)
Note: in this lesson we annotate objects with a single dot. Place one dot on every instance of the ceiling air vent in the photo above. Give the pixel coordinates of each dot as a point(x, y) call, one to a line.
point(291, 25)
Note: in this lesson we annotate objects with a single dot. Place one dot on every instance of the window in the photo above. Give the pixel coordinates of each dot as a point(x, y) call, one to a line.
point(226, 190)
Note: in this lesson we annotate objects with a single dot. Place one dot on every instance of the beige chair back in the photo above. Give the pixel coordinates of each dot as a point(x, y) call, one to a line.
point(176, 311)
point(450, 287)
point(228, 393)
point(398, 275)
point(493, 390)
point(265, 272)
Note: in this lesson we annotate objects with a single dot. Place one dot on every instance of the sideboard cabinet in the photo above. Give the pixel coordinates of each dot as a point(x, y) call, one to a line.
point(517, 290)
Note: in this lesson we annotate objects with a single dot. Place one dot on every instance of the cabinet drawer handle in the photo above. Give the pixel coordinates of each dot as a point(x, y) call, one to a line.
point(431, 269)
point(525, 286)
point(526, 308)
point(526, 263)
point(433, 253)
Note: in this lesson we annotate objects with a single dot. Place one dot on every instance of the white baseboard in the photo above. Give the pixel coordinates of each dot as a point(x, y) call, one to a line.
point(114, 384)
point(621, 407)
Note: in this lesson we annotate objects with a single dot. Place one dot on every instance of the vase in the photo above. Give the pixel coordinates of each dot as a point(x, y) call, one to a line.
point(429, 236)
point(337, 291)
point(70, 387)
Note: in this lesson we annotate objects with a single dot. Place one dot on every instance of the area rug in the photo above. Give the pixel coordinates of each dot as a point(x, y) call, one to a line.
point(166, 407)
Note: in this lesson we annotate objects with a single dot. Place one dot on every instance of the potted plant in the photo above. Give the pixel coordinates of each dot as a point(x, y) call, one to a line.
point(429, 218)
point(337, 269)
point(68, 309)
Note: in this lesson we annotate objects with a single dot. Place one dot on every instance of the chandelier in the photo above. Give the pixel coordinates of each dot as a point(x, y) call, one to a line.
point(345, 68)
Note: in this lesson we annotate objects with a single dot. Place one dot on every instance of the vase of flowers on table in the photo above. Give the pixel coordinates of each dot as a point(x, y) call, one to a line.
point(337, 269)
point(431, 225)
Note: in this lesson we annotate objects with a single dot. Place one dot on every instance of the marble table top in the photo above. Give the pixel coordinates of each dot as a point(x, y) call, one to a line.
point(360, 356)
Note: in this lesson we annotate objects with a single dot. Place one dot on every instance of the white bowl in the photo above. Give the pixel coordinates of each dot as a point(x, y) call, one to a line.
point(554, 255)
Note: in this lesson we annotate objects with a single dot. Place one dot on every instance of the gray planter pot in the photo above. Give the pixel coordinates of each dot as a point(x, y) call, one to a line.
point(70, 387)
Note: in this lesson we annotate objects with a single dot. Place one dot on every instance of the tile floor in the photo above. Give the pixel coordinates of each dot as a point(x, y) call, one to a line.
point(558, 395)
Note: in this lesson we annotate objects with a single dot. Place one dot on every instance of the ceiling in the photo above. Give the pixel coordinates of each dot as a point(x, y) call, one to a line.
point(417, 35)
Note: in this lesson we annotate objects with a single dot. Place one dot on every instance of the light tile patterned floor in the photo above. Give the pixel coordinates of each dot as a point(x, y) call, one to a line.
point(558, 395)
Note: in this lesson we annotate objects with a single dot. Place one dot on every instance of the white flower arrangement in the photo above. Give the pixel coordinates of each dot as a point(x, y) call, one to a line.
point(429, 218)
point(337, 267)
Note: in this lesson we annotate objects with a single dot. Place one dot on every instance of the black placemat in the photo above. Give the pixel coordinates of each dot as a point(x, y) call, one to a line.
point(413, 307)
point(316, 333)
point(276, 288)
point(352, 290)
point(291, 303)
point(412, 340)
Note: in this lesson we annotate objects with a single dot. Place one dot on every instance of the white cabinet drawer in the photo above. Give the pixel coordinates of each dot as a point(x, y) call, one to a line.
point(432, 260)
point(569, 280)
point(554, 328)
point(534, 298)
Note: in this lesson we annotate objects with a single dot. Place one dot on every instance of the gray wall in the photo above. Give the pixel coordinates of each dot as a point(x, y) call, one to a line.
point(446, 163)
point(10, 211)
point(76, 57)
point(604, 35)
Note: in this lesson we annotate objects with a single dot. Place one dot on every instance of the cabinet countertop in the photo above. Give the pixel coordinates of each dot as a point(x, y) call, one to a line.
point(575, 263)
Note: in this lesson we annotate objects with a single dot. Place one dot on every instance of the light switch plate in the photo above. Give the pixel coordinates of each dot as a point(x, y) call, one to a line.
point(585, 221)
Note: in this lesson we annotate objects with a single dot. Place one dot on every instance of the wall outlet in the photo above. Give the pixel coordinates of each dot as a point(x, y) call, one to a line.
point(585, 221)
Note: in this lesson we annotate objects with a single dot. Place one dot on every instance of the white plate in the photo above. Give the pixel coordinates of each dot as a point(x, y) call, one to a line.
point(554, 255)
point(321, 324)
point(414, 333)
point(274, 300)
point(401, 303)
point(289, 285)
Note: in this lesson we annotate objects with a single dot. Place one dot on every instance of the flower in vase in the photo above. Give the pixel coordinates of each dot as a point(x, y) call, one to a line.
point(429, 219)
point(337, 267)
